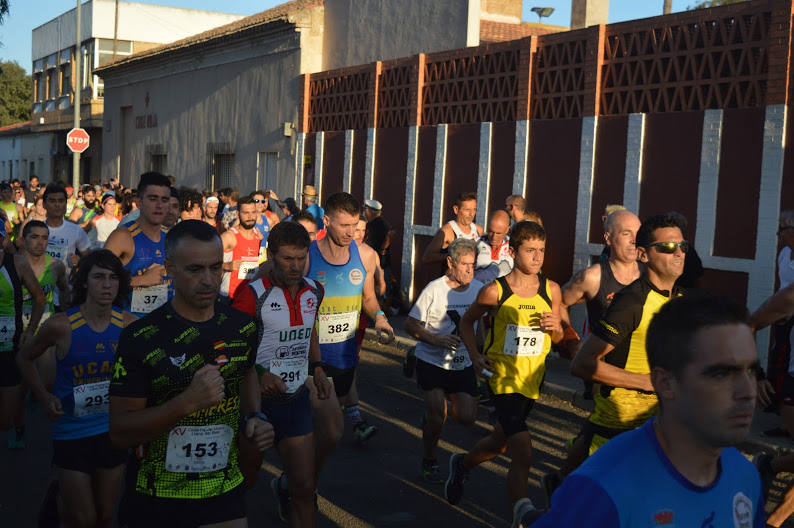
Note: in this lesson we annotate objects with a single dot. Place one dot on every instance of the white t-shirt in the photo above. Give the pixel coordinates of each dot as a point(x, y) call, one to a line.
point(104, 227)
point(489, 266)
point(785, 267)
point(433, 307)
point(64, 240)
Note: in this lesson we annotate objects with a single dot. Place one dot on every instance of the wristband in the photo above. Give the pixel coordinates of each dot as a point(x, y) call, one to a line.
point(255, 414)
point(379, 312)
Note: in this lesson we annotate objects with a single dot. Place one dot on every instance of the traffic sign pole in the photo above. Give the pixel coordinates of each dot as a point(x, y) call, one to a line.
point(77, 93)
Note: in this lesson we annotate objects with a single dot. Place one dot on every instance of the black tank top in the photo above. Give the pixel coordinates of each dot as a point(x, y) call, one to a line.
point(597, 306)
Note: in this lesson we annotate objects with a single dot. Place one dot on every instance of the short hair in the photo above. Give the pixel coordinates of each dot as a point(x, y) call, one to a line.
point(611, 208)
point(533, 216)
point(54, 188)
point(188, 199)
point(526, 230)
point(518, 201)
point(306, 216)
point(787, 217)
point(246, 200)
point(31, 225)
point(672, 330)
point(287, 234)
point(174, 193)
point(104, 258)
point(464, 197)
point(233, 194)
point(342, 202)
point(197, 229)
point(460, 247)
point(644, 236)
point(152, 178)
point(266, 194)
point(32, 176)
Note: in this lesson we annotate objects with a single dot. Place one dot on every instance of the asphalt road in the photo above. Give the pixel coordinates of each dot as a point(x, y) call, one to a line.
point(378, 484)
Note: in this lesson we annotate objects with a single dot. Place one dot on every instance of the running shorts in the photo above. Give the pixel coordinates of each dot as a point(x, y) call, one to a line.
point(343, 379)
point(142, 511)
point(290, 417)
point(88, 454)
point(511, 412)
point(430, 377)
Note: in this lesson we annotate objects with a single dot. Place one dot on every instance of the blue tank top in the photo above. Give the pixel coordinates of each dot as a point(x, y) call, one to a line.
point(82, 377)
point(338, 316)
point(263, 226)
point(147, 252)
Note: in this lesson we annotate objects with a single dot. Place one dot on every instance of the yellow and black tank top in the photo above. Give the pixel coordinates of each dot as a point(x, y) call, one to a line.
point(625, 326)
point(516, 343)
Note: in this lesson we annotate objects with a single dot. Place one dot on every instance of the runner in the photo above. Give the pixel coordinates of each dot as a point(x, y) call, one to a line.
point(211, 213)
point(703, 366)
point(67, 241)
point(88, 210)
point(596, 286)
point(443, 367)
point(347, 274)
point(614, 355)
point(242, 246)
point(525, 312)
point(265, 220)
point(308, 222)
point(141, 246)
point(284, 305)
point(108, 221)
point(463, 226)
point(89, 468)
point(172, 213)
point(15, 272)
point(493, 249)
point(182, 380)
point(14, 212)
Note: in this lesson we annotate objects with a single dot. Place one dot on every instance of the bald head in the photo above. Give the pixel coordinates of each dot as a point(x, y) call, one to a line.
point(498, 226)
point(618, 220)
point(620, 235)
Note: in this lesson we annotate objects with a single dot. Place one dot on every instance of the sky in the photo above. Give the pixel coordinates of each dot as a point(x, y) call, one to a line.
point(24, 15)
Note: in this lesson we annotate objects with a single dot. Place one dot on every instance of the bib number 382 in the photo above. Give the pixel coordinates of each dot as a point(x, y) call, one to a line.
point(337, 328)
point(523, 340)
point(198, 449)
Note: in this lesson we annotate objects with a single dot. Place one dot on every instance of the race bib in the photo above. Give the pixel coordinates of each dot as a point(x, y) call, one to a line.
point(58, 252)
point(336, 328)
point(27, 311)
point(8, 327)
point(457, 358)
point(91, 398)
point(198, 449)
point(247, 270)
point(145, 300)
point(291, 371)
point(523, 340)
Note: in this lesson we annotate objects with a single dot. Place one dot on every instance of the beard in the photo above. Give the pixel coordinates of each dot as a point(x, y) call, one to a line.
point(248, 225)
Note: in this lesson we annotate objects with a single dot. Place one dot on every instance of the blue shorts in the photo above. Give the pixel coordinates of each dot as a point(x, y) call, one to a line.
point(291, 416)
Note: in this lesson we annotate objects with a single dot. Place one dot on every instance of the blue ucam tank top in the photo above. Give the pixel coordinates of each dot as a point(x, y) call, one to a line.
point(82, 377)
point(337, 319)
point(144, 300)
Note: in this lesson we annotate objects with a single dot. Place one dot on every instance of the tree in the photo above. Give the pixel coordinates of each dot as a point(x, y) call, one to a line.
point(3, 9)
point(16, 93)
point(714, 3)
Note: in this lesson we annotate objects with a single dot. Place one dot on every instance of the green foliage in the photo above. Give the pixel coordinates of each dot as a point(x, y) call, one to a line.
point(16, 93)
point(3, 9)
point(714, 3)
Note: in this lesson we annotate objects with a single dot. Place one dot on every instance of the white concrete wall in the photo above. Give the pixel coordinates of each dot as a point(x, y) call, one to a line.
point(20, 150)
point(240, 94)
point(362, 31)
point(138, 22)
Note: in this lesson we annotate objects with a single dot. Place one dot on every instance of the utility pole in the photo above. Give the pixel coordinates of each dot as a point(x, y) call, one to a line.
point(668, 7)
point(78, 89)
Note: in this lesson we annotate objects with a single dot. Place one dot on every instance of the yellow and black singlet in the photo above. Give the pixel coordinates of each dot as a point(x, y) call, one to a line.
point(625, 326)
point(516, 343)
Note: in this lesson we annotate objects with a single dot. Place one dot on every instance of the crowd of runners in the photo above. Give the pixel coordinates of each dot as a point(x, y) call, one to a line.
point(173, 336)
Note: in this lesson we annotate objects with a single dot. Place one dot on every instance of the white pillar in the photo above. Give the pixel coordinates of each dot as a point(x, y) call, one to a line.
point(584, 194)
point(710, 147)
point(635, 145)
point(521, 157)
point(484, 172)
point(347, 171)
point(369, 163)
point(319, 149)
point(438, 174)
point(409, 246)
point(299, 153)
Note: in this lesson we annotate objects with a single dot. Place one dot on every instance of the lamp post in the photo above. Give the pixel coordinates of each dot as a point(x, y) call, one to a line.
point(542, 12)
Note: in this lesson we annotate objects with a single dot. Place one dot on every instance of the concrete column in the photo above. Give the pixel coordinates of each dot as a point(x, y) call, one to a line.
point(584, 194)
point(635, 146)
point(484, 172)
point(438, 174)
point(319, 147)
point(347, 175)
point(521, 157)
point(409, 247)
point(710, 147)
point(586, 13)
point(369, 163)
point(299, 153)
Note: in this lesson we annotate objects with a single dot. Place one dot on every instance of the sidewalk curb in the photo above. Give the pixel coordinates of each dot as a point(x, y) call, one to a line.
point(755, 443)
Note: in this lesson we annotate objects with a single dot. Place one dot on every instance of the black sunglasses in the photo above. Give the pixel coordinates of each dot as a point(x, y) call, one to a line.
point(256, 200)
point(670, 247)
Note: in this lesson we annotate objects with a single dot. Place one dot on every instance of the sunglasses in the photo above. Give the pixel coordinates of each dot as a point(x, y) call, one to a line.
point(255, 200)
point(670, 247)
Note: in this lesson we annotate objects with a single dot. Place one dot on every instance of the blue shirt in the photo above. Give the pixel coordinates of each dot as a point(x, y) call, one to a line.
point(630, 483)
point(263, 226)
point(317, 212)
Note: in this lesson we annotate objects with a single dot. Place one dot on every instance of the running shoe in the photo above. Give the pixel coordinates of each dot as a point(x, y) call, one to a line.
point(48, 510)
point(409, 363)
point(550, 482)
point(453, 488)
point(525, 513)
point(431, 473)
point(364, 431)
point(763, 463)
point(282, 498)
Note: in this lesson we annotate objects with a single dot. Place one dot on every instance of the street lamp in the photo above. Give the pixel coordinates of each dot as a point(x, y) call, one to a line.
point(542, 12)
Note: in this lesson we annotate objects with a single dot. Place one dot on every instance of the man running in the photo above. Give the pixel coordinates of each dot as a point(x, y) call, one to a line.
point(89, 468)
point(493, 249)
point(15, 272)
point(242, 246)
point(463, 226)
point(265, 219)
point(614, 354)
point(347, 273)
point(308, 222)
point(141, 245)
point(184, 392)
point(284, 306)
point(443, 367)
point(67, 241)
point(83, 214)
point(107, 222)
point(525, 312)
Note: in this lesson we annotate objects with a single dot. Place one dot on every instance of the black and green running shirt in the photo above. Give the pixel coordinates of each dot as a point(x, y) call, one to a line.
point(156, 359)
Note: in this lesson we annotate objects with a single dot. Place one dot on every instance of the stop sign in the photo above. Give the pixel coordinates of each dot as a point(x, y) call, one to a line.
point(77, 140)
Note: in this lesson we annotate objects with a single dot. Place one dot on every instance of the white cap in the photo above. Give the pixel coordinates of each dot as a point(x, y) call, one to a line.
point(373, 204)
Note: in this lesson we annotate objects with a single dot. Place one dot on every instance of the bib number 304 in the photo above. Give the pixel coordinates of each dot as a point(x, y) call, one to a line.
point(198, 449)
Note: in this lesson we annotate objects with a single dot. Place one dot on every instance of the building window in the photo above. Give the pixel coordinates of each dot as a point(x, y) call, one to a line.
point(159, 163)
point(66, 71)
point(105, 55)
point(220, 166)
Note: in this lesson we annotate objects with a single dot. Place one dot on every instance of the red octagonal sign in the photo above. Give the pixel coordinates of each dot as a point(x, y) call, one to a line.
point(77, 140)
